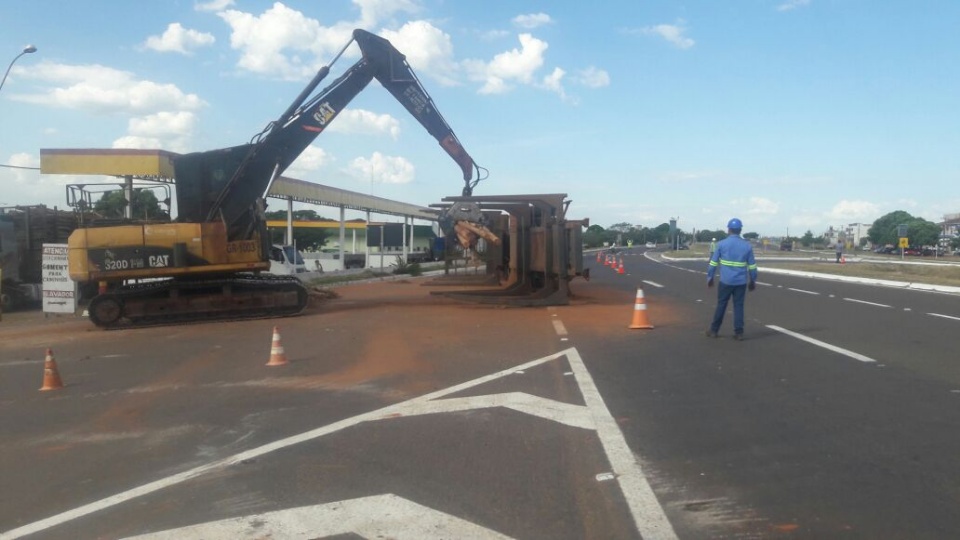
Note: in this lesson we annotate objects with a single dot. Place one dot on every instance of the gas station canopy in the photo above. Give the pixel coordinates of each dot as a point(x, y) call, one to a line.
point(154, 165)
point(157, 166)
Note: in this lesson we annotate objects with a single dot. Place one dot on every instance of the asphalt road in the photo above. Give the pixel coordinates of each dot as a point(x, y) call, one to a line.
point(837, 417)
point(407, 416)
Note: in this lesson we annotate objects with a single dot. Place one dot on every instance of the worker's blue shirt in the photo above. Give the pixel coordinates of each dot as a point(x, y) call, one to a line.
point(734, 257)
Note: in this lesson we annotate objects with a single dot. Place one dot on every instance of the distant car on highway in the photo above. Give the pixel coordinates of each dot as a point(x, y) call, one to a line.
point(651, 245)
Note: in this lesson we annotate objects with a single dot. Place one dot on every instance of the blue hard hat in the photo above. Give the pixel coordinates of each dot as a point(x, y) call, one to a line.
point(734, 224)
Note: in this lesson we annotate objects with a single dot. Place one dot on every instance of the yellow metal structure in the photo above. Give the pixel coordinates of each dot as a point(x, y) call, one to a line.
point(156, 164)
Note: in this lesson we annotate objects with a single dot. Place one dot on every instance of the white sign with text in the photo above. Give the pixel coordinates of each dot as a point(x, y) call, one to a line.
point(59, 291)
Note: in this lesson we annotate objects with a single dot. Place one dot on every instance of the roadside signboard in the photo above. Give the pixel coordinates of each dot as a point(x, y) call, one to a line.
point(904, 242)
point(59, 291)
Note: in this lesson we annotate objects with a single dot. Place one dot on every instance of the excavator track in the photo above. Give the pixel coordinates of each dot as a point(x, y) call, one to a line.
point(176, 301)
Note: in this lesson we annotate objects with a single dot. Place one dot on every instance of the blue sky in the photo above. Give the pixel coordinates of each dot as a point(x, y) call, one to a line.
point(790, 114)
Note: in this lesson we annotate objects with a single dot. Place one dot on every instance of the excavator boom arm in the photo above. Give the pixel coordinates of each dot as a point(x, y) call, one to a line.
point(225, 183)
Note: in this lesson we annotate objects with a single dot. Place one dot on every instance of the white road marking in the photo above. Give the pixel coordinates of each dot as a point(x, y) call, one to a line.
point(653, 284)
point(945, 316)
point(380, 516)
point(825, 345)
point(865, 302)
point(559, 327)
point(648, 515)
point(556, 411)
point(803, 291)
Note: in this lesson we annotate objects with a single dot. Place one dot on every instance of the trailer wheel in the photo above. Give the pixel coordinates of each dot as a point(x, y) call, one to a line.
point(105, 310)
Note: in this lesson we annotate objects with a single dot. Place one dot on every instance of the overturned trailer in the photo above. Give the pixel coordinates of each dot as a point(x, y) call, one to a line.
point(531, 250)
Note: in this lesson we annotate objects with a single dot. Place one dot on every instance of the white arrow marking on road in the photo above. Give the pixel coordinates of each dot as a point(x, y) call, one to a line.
point(648, 515)
point(381, 516)
point(556, 411)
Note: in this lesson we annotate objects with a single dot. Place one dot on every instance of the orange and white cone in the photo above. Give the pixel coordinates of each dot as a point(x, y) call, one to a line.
point(620, 269)
point(51, 375)
point(640, 313)
point(598, 256)
point(277, 356)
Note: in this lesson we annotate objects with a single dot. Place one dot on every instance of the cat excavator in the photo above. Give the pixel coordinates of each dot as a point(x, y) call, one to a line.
point(209, 262)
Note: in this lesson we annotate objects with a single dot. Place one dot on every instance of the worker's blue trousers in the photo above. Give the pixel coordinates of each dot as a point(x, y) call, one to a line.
point(724, 292)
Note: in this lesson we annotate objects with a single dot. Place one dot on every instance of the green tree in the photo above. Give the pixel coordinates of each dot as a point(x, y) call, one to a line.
point(751, 235)
point(884, 229)
point(807, 239)
point(662, 233)
point(593, 236)
point(923, 233)
point(706, 236)
point(145, 205)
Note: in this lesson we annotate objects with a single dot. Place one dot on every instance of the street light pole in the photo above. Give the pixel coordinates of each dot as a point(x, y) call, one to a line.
point(26, 50)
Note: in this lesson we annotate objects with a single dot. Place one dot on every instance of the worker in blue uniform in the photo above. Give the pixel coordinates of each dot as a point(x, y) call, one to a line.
point(738, 273)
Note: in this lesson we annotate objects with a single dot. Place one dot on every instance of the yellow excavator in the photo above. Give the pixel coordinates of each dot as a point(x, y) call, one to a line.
point(208, 263)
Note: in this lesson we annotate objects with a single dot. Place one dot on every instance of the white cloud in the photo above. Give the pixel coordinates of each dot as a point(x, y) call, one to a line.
point(179, 39)
point(311, 160)
point(853, 212)
point(761, 206)
point(532, 20)
point(552, 82)
point(593, 77)
point(283, 42)
point(516, 65)
point(365, 122)
point(161, 115)
point(374, 11)
point(428, 49)
point(166, 130)
point(103, 90)
point(275, 42)
point(26, 186)
point(213, 5)
point(674, 34)
point(382, 169)
point(493, 35)
point(793, 4)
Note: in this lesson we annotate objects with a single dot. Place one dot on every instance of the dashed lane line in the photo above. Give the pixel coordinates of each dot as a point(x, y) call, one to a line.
point(944, 316)
point(814, 293)
point(865, 302)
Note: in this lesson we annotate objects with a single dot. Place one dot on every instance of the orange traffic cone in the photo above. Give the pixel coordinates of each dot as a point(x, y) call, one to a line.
point(277, 356)
point(620, 269)
point(51, 375)
point(598, 256)
point(640, 313)
point(843, 260)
